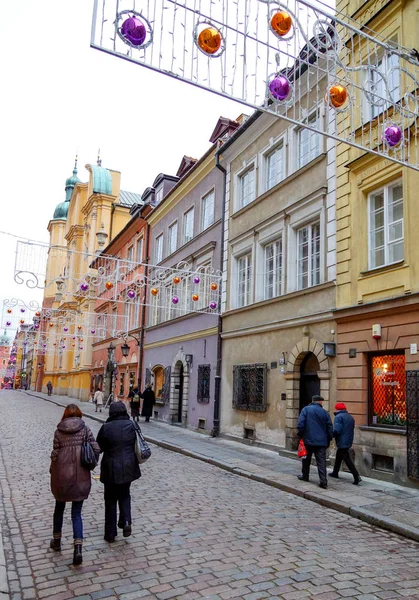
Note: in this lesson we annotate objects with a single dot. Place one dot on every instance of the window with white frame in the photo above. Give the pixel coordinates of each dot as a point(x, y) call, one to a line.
point(244, 280)
point(308, 255)
point(130, 254)
point(173, 237)
point(246, 185)
point(159, 249)
point(188, 219)
point(140, 244)
point(208, 210)
point(308, 141)
point(385, 225)
point(275, 166)
point(159, 194)
point(273, 269)
point(381, 83)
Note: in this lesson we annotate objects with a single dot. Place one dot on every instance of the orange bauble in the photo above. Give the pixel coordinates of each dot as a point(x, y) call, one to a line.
point(209, 40)
point(281, 23)
point(109, 285)
point(214, 286)
point(176, 279)
point(51, 324)
point(9, 310)
point(22, 321)
point(37, 314)
point(154, 291)
point(195, 297)
point(54, 344)
point(338, 95)
point(78, 326)
point(35, 343)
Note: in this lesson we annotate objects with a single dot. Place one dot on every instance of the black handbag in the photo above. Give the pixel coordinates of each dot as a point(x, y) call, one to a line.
point(142, 449)
point(88, 456)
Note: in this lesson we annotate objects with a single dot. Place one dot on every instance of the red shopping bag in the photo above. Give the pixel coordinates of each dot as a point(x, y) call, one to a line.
point(302, 452)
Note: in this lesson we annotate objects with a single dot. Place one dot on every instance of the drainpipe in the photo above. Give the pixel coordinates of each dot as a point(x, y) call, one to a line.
point(217, 394)
point(142, 334)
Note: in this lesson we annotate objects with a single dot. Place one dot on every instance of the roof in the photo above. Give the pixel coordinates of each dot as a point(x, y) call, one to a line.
point(61, 210)
point(102, 180)
point(129, 198)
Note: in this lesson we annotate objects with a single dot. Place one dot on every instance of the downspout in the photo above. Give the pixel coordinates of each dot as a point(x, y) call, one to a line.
point(217, 393)
point(142, 334)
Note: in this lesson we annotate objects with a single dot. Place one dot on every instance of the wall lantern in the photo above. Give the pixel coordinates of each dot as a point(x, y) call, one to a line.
point(125, 349)
point(101, 236)
point(188, 358)
point(329, 348)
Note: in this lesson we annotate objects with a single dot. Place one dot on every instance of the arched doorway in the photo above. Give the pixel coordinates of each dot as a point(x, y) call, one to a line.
point(309, 379)
point(179, 389)
point(180, 394)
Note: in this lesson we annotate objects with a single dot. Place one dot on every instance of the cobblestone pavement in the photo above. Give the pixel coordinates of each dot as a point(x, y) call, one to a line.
point(198, 532)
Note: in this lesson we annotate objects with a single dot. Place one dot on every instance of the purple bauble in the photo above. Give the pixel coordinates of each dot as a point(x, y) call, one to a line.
point(36, 326)
point(93, 331)
point(175, 299)
point(8, 323)
point(196, 280)
point(392, 135)
point(131, 294)
point(213, 305)
point(65, 328)
point(25, 343)
point(279, 87)
point(22, 310)
point(84, 287)
point(134, 31)
point(81, 347)
point(63, 347)
point(45, 345)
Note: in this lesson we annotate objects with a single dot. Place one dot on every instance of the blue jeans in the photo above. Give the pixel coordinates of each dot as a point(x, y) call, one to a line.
point(75, 517)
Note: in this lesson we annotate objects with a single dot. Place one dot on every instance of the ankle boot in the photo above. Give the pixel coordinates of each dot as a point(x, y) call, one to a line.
point(77, 556)
point(55, 544)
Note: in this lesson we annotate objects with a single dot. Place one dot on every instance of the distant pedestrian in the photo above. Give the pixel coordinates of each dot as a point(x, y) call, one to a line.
point(98, 400)
point(49, 388)
point(118, 469)
point(135, 403)
point(70, 481)
point(316, 430)
point(148, 402)
point(343, 432)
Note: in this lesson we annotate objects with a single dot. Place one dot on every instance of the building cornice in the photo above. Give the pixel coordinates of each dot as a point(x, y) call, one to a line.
point(196, 335)
point(398, 305)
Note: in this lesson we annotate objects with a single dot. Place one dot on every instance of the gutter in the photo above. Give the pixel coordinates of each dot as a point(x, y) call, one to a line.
point(142, 334)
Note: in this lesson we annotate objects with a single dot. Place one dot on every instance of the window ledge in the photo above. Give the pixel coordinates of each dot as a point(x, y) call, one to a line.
point(378, 270)
point(377, 428)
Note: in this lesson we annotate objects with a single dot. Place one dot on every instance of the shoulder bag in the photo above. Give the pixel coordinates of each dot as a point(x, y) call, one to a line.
point(88, 457)
point(142, 449)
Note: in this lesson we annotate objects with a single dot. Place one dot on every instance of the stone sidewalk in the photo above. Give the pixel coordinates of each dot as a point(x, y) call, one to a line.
point(378, 503)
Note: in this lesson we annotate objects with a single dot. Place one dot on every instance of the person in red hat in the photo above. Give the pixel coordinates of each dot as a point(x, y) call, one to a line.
point(343, 432)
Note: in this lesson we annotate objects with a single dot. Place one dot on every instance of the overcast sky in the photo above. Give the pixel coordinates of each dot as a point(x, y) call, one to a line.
point(60, 97)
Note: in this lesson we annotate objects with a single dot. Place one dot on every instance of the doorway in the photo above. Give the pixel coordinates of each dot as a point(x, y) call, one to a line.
point(309, 379)
point(180, 394)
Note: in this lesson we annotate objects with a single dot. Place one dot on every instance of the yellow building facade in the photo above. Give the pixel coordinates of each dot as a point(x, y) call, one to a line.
point(98, 206)
point(377, 266)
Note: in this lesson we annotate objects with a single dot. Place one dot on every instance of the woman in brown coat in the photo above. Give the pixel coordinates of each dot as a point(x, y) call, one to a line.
point(70, 481)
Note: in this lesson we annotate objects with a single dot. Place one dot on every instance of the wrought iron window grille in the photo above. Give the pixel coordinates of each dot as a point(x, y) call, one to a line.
point(249, 387)
point(204, 374)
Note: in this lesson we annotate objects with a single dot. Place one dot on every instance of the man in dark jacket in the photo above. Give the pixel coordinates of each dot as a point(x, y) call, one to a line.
point(148, 402)
point(315, 428)
point(343, 432)
point(119, 467)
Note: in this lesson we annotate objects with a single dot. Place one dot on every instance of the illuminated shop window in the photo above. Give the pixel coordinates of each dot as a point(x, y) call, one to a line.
point(388, 390)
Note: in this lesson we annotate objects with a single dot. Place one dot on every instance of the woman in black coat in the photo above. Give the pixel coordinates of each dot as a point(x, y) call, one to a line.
point(119, 467)
point(148, 402)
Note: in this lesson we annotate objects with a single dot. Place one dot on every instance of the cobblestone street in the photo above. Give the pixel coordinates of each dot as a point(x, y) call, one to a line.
point(198, 532)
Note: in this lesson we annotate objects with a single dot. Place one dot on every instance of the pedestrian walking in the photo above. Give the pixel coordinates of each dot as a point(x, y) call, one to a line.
point(316, 430)
point(98, 400)
point(343, 432)
point(49, 388)
point(149, 399)
point(118, 469)
point(135, 403)
point(70, 481)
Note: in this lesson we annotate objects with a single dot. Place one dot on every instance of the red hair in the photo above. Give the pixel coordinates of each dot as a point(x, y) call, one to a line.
point(72, 410)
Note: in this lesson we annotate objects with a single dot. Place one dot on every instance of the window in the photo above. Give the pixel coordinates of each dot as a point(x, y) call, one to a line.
point(308, 261)
point(159, 195)
point(388, 390)
point(140, 244)
point(249, 387)
point(247, 187)
point(386, 227)
point(308, 142)
point(121, 383)
point(273, 269)
point(130, 254)
point(131, 380)
point(188, 218)
point(158, 382)
point(203, 392)
point(244, 277)
point(208, 210)
point(381, 84)
point(275, 166)
point(159, 248)
point(173, 237)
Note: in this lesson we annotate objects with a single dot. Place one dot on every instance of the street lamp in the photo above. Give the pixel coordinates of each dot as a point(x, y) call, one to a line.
point(125, 349)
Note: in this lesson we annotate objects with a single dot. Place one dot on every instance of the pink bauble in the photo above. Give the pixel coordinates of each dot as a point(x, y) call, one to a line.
point(279, 88)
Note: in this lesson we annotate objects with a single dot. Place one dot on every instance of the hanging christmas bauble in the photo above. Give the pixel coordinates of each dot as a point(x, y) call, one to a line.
point(81, 347)
point(195, 297)
point(209, 40)
point(214, 286)
point(213, 305)
point(65, 328)
point(37, 314)
point(175, 299)
point(36, 326)
point(35, 343)
point(9, 310)
point(338, 94)
point(134, 31)
point(51, 324)
point(44, 345)
point(64, 338)
point(154, 291)
point(281, 23)
point(73, 345)
point(74, 337)
point(93, 331)
point(176, 280)
point(81, 339)
point(196, 280)
point(84, 287)
point(279, 88)
point(8, 323)
point(54, 344)
point(131, 294)
point(25, 343)
point(79, 327)
point(109, 285)
point(22, 310)
point(392, 135)
point(63, 347)
point(22, 321)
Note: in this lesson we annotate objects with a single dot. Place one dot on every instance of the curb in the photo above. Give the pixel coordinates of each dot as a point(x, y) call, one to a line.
point(367, 516)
